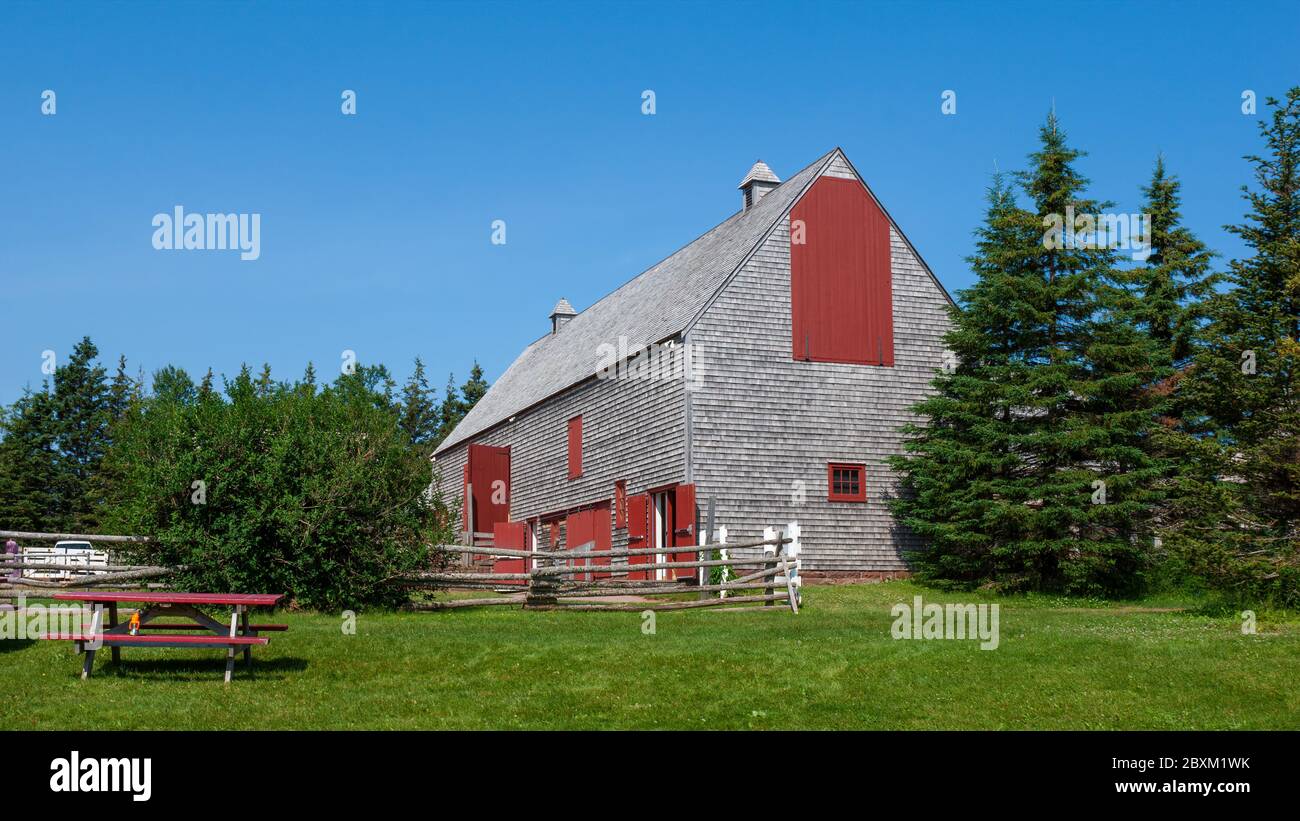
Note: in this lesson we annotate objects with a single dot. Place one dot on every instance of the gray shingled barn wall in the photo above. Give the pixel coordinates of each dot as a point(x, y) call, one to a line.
point(632, 429)
point(762, 421)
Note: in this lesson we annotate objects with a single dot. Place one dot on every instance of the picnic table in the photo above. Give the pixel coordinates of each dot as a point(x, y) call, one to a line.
point(204, 631)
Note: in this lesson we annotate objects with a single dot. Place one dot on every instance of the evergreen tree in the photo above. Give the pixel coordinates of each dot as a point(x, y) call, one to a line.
point(1030, 471)
point(451, 411)
point(29, 464)
point(264, 383)
point(122, 398)
point(120, 391)
point(82, 416)
point(1166, 298)
point(1176, 278)
point(419, 411)
point(1242, 523)
point(206, 390)
point(241, 388)
point(473, 389)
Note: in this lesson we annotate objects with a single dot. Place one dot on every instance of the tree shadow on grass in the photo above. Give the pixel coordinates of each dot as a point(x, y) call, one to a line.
point(277, 669)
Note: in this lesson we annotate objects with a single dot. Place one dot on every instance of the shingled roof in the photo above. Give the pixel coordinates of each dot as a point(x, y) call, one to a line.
point(654, 306)
point(759, 172)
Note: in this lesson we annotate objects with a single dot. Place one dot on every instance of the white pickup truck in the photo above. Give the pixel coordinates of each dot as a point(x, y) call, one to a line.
point(68, 554)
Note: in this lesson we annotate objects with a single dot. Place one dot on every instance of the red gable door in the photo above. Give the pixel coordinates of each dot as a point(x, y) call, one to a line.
point(637, 528)
point(513, 536)
point(684, 528)
point(841, 293)
point(489, 476)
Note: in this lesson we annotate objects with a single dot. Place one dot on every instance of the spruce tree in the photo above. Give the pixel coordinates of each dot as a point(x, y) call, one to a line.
point(265, 386)
point(1029, 471)
point(419, 411)
point(206, 389)
point(451, 411)
point(1166, 296)
point(29, 464)
point(1242, 523)
point(119, 391)
point(474, 388)
point(82, 416)
point(1176, 279)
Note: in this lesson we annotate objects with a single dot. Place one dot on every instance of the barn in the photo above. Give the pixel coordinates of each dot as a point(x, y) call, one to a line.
point(765, 369)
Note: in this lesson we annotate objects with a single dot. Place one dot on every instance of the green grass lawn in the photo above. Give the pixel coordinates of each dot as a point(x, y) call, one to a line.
point(1061, 664)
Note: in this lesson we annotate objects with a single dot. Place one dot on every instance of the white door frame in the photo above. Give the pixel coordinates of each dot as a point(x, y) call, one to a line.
point(661, 507)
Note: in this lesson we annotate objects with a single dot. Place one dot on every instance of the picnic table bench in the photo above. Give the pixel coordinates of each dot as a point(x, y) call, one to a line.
point(236, 634)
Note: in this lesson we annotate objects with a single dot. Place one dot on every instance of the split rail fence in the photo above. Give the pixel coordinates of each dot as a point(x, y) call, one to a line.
point(571, 580)
point(39, 570)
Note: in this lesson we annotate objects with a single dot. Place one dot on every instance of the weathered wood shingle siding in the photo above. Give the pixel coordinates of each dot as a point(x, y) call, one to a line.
point(762, 422)
point(632, 429)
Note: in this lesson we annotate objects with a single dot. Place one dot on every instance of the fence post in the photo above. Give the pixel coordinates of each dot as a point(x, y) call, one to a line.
point(541, 586)
point(467, 559)
point(768, 535)
point(722, 551)
point(702, 573)
point(707, 537)
point(794, 531)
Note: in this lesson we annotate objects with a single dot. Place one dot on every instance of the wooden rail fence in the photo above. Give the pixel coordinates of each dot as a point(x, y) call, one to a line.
point(20, 575)
point(565, 580)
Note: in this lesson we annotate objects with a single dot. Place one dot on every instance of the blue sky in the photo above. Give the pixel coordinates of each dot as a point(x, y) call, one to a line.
point(375, 228)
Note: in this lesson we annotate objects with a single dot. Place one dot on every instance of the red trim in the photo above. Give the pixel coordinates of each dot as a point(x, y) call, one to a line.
point(832, 496)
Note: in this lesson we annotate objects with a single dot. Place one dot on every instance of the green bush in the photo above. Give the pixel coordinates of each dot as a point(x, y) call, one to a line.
point(278, 489)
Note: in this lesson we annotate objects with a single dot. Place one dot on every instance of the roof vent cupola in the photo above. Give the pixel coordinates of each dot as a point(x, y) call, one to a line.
point(561, 315)
point(757, 183)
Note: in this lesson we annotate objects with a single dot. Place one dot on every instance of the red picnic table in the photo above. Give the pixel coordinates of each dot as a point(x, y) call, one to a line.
point(116, 635)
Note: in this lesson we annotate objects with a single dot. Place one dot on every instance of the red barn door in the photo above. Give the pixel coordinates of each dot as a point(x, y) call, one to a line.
point(577, 532)
point(637, 530)
point(512, 536)
point(600, 530)
point(489, 477)
point(683, 529)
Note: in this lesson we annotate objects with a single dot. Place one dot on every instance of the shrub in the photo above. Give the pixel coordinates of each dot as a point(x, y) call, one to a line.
point(278, 488)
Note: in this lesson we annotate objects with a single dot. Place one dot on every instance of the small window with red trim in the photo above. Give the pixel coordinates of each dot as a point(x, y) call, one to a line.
point(846, 482)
